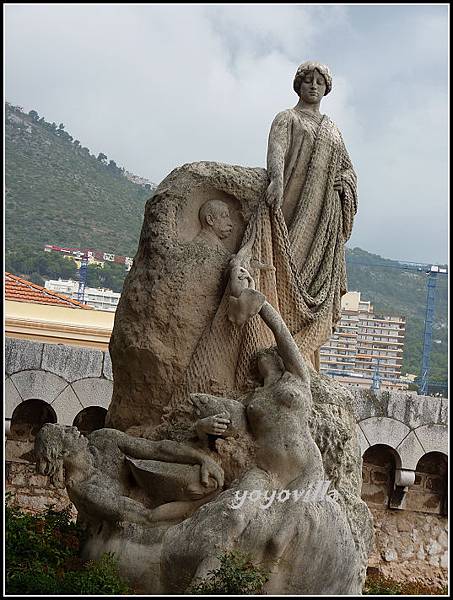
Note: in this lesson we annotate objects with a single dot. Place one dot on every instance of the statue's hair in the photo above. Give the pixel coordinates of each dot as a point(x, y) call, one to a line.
point(210, 207)
point(272, 351)
point(308, 66)
point(49, 449)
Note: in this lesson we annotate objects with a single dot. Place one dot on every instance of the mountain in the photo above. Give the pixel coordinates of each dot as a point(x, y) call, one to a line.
point(57, 192)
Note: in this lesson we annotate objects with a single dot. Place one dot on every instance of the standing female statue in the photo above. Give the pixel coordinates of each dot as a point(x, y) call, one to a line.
point(313, 199)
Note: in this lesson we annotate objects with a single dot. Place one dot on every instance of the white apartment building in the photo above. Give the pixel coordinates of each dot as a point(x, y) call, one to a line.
point(365, 345)
point(101, 299)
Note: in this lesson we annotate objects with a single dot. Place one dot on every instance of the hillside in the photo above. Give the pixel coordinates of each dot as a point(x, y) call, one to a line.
point(59, 193)
point(395, 291)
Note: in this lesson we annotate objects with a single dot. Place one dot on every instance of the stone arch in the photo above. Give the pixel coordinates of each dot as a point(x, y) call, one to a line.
point(12, 398)
point(429, 491)
point(385, 431)
point(433, 438)
point(28, 418)
point(38, 384)
point(92, 391)
point(90, 418)
point(379, 463)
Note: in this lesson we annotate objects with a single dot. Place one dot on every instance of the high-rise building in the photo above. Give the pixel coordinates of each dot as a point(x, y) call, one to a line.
point(367, 349)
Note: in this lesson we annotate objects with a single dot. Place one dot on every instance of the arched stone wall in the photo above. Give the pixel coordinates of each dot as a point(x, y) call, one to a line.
point(67, 378)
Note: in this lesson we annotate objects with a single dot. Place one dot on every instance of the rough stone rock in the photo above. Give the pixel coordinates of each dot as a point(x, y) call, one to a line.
point(433, 548)
point(174, 286)
point(390, 555)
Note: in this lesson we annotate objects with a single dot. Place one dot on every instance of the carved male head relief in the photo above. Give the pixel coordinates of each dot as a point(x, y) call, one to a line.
point(215, 219)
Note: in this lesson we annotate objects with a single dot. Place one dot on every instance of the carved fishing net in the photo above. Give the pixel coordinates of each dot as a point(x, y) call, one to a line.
point(305, 285)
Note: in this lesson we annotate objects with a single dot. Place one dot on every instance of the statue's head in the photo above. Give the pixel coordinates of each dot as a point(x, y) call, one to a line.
point(268, 362)
point(312, 76)
point(215, 216)
point(53, 443)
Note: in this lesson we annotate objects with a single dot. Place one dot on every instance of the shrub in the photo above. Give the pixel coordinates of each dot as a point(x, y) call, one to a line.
point(42, 557)
point(236, 575)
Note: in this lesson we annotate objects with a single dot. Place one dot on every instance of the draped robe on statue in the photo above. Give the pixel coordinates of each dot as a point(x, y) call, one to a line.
point(304, 242)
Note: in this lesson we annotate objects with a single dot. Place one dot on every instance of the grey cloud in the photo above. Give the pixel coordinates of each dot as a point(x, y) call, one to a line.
point(155, 86)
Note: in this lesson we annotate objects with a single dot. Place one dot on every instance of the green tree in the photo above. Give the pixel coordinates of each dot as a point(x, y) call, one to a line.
point(236, 575)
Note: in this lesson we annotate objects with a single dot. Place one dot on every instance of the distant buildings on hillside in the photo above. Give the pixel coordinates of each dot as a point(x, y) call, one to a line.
point(367, 349)
point(94, 256)
point(146, 183)
point(101, 299)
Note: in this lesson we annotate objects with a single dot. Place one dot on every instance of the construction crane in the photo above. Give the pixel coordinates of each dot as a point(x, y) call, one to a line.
point(428, 332)
point(432, 272)
point(82, 278)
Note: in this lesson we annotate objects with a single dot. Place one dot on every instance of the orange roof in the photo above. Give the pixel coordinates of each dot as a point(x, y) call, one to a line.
point(21, 290)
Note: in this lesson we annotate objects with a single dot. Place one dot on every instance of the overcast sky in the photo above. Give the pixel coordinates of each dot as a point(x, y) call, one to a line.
point(156, 86)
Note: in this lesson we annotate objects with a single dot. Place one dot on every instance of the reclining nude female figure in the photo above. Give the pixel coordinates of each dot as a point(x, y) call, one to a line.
point(287, 457)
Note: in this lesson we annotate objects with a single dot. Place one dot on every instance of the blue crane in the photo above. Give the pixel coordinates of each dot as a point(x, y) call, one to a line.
point(82, 278)
point(432, 272)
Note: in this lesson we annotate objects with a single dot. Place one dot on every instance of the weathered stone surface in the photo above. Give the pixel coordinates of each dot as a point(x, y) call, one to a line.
point(411, 536)
point(93, 392)
point(443, 416)
point(21, 355)
point(414, 410)
point(369, 403)
point(433, 438)
point(67, 406)
point(107, 367)
point(72, 362)
point(363, 442)
point(174, 287)
point(12, 398)
point(38, 385)
point(390, 555)
point(410, 451)
point(382, 430)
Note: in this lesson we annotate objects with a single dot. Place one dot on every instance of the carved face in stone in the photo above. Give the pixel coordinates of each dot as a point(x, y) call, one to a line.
point(269, 364)
point(312, 87)
point(73, 440)
point(215, 216)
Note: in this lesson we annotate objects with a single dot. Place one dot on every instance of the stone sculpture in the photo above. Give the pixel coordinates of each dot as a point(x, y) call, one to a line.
point(216, 224)
point(97, 478)
point(232, 261)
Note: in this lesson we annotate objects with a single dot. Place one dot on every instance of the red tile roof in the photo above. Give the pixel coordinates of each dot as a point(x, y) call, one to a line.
point(21, 290)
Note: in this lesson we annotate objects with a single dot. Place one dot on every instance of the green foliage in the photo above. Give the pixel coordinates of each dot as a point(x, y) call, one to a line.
point(42, 557)
point(236, 575)
point(37, 265)
point(378, 585)
point(110, 276)
point(58, 193)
